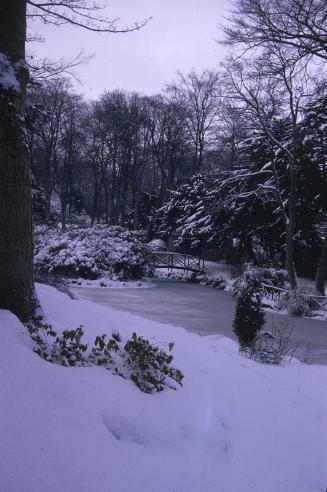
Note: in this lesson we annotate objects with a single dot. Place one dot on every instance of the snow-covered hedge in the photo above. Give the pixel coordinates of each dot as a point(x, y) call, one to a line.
point(90, 252)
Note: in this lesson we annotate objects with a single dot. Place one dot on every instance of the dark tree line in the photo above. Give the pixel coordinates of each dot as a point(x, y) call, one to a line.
point(123, 152)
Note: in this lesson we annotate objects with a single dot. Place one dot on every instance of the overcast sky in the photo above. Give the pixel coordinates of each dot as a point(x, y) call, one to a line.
point(181, 36)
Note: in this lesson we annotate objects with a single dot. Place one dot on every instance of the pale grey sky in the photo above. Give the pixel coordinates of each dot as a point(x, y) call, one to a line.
point(181, 36)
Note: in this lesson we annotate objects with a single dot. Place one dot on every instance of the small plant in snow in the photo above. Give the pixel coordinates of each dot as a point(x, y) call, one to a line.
point(150, 366)
point(275, 347)
point(249, 317)
point(298, 303)
point(104, 350)
point(146, 365)
point(41, 334)
point(66, 350)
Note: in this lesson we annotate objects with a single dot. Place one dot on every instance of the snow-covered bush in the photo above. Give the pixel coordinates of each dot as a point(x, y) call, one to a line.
point(249, 317)
point(157, 245)
point(66, 350)
point(297, 303)
point(90, 251)
point(216, 282)
point(148, 366)
point(255, 277)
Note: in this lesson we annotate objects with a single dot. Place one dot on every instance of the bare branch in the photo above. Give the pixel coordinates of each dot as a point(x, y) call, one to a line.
point(78, 13)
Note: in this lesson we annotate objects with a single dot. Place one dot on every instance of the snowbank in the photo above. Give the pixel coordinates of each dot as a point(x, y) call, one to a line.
point(106, 282)
point(234, 426)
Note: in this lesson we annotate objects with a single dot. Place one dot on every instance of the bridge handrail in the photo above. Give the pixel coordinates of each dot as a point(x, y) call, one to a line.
point(183, 261)
point(173, 253)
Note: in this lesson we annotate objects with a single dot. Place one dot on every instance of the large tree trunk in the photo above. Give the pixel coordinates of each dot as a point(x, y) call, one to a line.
point(16, 238)
point(290, 229)
point(135, 195)
point(322, 267)
point(289, 262)
point(48, 186)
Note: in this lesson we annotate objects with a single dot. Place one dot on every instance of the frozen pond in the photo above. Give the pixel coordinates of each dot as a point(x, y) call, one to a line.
point(199, 309)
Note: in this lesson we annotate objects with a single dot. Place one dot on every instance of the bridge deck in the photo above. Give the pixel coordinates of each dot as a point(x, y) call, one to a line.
point(180, 261)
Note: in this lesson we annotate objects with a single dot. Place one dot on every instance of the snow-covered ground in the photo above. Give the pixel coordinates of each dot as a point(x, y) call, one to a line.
point(234, 426)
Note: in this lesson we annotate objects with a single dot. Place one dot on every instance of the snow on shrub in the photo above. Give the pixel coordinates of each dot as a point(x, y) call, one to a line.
point(216, 281)
point(66, 350)
point(90, 251)
point(249, 317)
point(148, 366)
point(254, 277)
point(298, 303)
point(157, 245)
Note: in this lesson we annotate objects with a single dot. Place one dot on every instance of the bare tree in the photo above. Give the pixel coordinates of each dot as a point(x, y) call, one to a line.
point(199, 95)
point(79, 13)
point(52, 98)
point(168, 142)
point(231, 134)
point(70, 143)
point(300, 25)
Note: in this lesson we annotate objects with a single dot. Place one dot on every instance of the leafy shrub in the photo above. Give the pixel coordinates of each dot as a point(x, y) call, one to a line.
point(90, 251)
point(254, 277)
point(249, 317)
point(149, 367)
point(66, 350)
point(102, 352)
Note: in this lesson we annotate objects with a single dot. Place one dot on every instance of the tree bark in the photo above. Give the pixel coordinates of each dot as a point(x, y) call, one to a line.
point(16, 230)
point(322, 267)
point(290, 229)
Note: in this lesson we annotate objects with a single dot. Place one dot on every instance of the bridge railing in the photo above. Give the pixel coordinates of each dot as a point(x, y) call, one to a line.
point(180, 261)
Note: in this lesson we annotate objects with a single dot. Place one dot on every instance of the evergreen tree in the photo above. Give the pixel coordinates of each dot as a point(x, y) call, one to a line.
point(249, 317)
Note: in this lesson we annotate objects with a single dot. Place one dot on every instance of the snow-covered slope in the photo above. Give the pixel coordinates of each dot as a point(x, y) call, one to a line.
point(234, 426)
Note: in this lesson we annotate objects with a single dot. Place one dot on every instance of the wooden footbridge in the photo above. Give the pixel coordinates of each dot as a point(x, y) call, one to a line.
point(179, 261)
